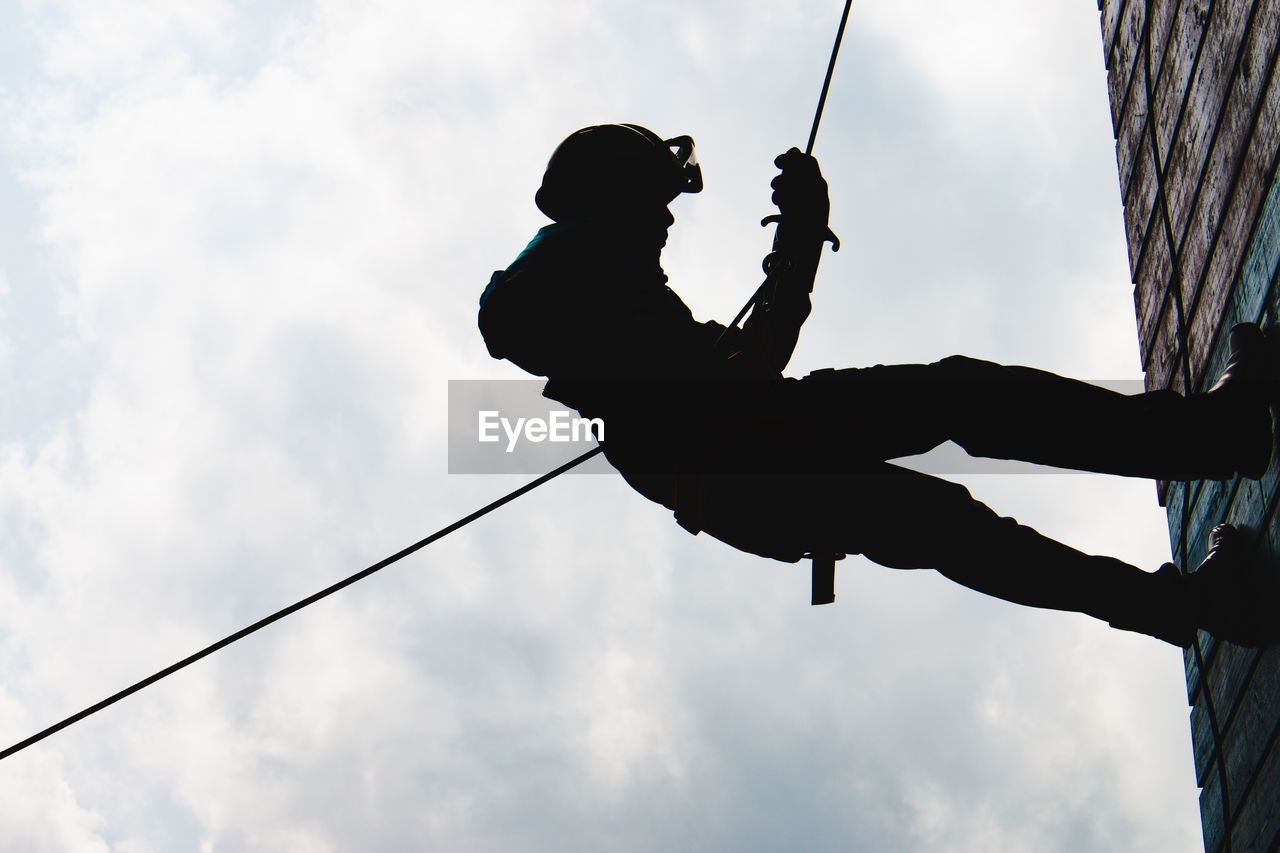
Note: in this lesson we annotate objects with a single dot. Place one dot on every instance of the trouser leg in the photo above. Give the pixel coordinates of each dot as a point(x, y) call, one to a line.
point(1006, 412)
point(916, 521)
point(1035, 416)
point(1023, 566)
point(906, 520)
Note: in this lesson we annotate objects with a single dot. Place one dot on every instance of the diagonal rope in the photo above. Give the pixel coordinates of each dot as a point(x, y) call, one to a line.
point(439, 534)
point(295, 607)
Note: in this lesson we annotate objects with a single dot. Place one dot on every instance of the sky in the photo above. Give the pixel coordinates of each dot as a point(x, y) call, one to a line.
point(241, 246)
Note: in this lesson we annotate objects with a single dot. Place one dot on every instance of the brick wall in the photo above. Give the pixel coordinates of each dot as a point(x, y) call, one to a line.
point(1202, 216)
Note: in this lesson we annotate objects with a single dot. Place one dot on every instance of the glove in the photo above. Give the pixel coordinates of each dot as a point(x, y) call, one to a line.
point(800, 192)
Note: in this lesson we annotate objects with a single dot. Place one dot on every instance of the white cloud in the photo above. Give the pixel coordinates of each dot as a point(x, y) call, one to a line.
point(271, 232)
point(5, 345)
point(1009, 57)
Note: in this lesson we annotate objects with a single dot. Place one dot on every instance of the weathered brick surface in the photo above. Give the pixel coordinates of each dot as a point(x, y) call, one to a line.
point(1236, 180)
point(1202, 146)
point(1205, 254)
point(1173, 56)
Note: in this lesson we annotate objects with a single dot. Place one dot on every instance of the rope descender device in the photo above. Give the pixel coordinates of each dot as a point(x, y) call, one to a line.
point(824, 576)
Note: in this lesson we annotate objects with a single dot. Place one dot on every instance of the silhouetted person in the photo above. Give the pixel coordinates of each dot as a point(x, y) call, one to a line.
point(703, 422)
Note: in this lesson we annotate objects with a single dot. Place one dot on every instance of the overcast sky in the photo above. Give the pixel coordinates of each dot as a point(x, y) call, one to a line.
point(240, 250)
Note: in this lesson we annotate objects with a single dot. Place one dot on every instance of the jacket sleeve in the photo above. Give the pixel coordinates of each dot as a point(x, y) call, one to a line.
point(508, 322)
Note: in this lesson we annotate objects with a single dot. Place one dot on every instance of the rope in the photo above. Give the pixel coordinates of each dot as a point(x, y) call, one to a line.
point(1184, 357)
point(439, 534)
point(759, 293)
point(293, 608)
point(826, 84)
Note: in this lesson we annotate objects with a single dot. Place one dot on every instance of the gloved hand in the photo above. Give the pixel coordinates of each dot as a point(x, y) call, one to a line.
point(800, 192)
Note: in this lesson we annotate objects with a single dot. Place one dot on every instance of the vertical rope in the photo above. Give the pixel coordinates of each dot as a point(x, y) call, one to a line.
point(1184, 361)
point(826, 83)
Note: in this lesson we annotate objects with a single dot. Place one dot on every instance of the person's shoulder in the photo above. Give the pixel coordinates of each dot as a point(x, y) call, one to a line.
point(555, 242)
point(562, 233)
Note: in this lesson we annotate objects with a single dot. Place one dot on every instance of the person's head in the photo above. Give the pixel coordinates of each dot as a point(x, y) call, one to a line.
point(619, 171)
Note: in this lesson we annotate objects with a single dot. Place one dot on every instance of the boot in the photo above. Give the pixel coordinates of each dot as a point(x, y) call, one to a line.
point(1165, 610)
point(1244, 393)
point(1236, 597)
point(1006, 412)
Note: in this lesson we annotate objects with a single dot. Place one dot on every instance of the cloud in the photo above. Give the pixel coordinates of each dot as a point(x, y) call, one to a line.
point(5, 346)
point(268, 228)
